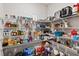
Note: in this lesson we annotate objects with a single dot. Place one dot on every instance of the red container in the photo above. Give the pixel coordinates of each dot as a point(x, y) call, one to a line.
point(73, 32)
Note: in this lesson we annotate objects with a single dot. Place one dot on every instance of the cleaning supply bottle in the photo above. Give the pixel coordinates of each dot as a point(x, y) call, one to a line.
point(73, 32)
point(30, 37)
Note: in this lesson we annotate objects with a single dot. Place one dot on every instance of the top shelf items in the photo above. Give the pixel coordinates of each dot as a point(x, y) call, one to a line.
point(61, 19)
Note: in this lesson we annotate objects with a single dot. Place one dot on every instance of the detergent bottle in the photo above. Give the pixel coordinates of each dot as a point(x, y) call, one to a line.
point(73, 32)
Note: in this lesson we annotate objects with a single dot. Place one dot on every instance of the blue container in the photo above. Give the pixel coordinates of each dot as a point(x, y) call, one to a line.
point(75, 38)
point(58, 33)
point(28, 52)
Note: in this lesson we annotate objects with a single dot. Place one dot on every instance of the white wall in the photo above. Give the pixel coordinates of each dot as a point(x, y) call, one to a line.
point(26, 9)
point(1, 9)
point(40, 10)
point(52, 8)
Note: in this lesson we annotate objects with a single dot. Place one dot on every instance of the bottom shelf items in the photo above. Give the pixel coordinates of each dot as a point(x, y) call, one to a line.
point(40, 48)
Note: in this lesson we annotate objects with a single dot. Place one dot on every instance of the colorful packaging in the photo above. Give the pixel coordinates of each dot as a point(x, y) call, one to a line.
point(73, 32)
point(39, 50)
point(28, 52)
point(58, 33)
point(75, 39)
